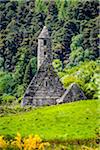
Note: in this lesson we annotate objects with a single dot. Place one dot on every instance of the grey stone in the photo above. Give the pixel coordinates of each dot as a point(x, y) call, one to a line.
point(45, 87)
point(73, 93)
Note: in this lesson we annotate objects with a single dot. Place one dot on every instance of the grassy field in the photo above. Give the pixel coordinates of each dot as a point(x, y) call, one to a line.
point(77, 120)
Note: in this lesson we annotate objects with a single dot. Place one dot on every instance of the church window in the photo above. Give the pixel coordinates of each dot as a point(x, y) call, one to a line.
point(44, 53)
point(45, 42)
point(46, 83)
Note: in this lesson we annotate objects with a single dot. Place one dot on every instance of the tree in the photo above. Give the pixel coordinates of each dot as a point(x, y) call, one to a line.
point(78, 54)
point(7, 83)
point(29, 72)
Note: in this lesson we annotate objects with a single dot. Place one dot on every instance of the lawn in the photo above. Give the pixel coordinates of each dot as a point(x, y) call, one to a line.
point(77, 120)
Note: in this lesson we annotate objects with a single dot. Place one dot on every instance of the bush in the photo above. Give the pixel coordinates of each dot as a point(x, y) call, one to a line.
point(8, 98)
point(96, 80)
point(20, 90)
point(6, 82)
point(20, 99)
point(57, 65)
point(67, 80)
point(86, 75)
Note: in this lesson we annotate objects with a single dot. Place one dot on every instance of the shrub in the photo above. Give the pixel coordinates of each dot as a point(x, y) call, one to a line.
point(8, 98)
point(6, 82)
point(20, 99)
point(96, 80)
point(57, 64)
point(90, 89)
point(86, 75)
point(67, 80)
point(20, 90)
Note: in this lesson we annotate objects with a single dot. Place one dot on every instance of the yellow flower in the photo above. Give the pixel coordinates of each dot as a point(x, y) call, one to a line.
point(3, 143)
point(43, 145)
point(30, 143)
point(17, 142)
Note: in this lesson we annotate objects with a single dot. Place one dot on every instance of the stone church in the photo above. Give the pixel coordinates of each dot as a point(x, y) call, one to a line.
point(45, 87)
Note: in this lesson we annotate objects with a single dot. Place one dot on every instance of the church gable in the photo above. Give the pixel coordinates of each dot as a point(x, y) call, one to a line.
point(50, 84)
point(45, 86)
point(49, 90)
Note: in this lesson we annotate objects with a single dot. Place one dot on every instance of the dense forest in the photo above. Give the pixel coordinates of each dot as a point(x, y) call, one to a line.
point(73, 27)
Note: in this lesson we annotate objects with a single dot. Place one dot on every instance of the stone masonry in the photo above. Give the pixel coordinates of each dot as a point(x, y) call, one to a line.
point(45, 87)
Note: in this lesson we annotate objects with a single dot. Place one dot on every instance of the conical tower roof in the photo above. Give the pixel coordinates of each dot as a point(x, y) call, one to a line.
point(44, 33)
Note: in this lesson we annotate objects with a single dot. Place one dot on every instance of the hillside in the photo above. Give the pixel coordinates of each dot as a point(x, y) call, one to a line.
point(77, 120)
point(73, 28)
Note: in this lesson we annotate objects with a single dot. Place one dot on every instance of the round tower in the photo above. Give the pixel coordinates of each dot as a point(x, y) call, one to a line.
point(44, 46)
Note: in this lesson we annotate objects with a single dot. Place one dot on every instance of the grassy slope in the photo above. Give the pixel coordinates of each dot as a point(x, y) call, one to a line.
point(76, 120)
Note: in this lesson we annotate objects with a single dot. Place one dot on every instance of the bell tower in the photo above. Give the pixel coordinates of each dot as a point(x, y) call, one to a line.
point(44, 46)
point(45, 87)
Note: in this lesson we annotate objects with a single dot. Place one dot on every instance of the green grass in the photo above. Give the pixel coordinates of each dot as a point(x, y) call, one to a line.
point(77, 120)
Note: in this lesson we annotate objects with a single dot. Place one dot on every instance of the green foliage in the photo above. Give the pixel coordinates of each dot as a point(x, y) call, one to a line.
point(20, 99)
point(78, 54)
point(86, 75)
point(33, 63)
point(6, 83)
point(73, 27)
point(86, 10)
point(57, 64)
point(67, 80)
point(8, 98)
point(20, 90)
point(40, 6)
point(61, 5)
point(23, 58)
point(89, 54)
point(1, 63)
point(30, 71)
point(96, 81)
point(90, 35)
point(76, 42)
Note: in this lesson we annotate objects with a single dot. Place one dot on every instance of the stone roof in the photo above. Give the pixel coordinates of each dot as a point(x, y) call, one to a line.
point(38, 79)
point(44, 33)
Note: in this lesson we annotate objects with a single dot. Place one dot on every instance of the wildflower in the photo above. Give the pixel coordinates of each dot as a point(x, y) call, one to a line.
point(17, 142)
point(3, 143)
point(43, 145)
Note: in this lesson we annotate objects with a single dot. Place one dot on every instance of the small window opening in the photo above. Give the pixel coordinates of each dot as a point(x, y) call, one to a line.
point(45, 42)
point(44, 53)
point(45, 83)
